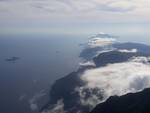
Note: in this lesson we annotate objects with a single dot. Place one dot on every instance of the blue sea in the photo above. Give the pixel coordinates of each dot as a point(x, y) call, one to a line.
point(25, 83)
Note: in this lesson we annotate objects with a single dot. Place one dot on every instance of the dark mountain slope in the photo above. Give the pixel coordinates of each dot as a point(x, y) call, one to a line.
point(129, 103)
point(115, 57)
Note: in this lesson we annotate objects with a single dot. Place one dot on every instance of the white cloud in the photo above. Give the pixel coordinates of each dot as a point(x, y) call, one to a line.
point(57, 108)
point(71, 9)
point(88, 63)
point(145, 60)
point(122, 6)
point(101, 40)
point(33, 101)
point(114, 79)
point(88, 97)
point(128, 51)
point(98, 44)
point(22, 97)
point(33, 106)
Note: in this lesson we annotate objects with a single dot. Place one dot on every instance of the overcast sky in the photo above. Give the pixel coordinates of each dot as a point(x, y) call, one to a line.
point(55, 13)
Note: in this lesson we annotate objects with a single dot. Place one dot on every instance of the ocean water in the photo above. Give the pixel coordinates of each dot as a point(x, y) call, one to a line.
point(25, 82)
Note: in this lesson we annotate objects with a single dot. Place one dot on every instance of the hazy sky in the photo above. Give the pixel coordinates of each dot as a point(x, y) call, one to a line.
point(56, 15)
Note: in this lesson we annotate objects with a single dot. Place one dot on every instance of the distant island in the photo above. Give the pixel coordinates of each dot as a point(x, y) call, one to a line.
point(12, 59)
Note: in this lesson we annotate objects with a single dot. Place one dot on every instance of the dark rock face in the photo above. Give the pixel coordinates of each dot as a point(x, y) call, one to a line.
point(114, 57)
point(129, 103)
point(62, 89)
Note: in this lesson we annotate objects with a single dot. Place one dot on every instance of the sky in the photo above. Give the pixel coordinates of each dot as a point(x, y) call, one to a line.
point(63, 15)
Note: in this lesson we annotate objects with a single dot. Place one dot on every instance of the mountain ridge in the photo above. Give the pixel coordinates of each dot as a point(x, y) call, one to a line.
point(130, 103)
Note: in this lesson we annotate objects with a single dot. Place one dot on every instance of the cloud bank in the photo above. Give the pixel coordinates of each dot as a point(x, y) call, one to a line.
point(88, 63)
point(128, 51)
point(114, 79)
point(100, 42)
point(52, 9)
point(33, 102)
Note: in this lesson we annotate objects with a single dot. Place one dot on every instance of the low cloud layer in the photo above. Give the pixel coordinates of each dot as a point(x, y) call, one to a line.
point(114, 79)
point(100, 42)
point(97, 44)
point(33, 102)
point(57, 108)
point(88, 63)
point(128, 51)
